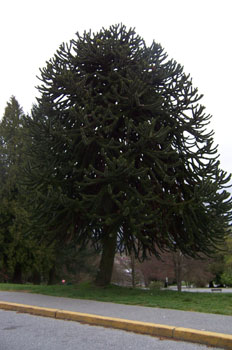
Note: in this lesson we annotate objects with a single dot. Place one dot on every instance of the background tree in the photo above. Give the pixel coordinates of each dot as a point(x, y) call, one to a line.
point(21, 257)
point(226, 277)
point(16, 250)
point(12, 249)
point(221, 265)
point(197, 272)
point(70, 263)
point(178, 268)
point(127, 271)
point(192, 271)
point(120, 154)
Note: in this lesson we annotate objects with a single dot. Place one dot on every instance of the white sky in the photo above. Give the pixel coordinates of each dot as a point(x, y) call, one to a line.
point(197, 34)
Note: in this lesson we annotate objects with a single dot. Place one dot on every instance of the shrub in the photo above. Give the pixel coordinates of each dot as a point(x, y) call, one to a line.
point(226, 278)
point(155, 285)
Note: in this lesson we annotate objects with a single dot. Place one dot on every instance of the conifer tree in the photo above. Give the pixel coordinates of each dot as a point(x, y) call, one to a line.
point(121, 154)
point(20, 256)
point(11, 155)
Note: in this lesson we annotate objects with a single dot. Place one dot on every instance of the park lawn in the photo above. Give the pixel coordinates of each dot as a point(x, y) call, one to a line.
point(217, 303)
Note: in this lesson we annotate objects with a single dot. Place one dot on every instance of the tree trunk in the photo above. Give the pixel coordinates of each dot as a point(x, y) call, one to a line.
point(17, 277)
point(52, 276)
point(178, 277)
point(178, 263)
point(36, 277)
point(104, 274)
point(132, 256)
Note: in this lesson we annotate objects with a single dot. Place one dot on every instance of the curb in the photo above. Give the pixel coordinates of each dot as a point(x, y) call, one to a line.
point(220, 340)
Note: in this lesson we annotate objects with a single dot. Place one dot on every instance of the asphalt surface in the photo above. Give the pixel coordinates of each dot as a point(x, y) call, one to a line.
point(23, 331)
point(195, 320)
point(203, 290)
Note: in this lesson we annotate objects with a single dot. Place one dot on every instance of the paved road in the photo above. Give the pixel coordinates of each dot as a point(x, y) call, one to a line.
point(196, 320)
point(203, 290)
point(27, 332)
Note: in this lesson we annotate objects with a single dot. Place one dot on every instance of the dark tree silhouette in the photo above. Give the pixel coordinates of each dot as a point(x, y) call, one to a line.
point(120, 154)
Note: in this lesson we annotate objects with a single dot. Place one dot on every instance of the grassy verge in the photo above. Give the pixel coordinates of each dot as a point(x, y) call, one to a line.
point(201, 302)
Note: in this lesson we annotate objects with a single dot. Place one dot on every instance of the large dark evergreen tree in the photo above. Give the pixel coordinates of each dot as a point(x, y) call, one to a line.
point(20, 256)
point(120, 152)
point(12, 214)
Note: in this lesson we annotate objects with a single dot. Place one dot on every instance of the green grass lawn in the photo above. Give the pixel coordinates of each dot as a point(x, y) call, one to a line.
point(201, 302)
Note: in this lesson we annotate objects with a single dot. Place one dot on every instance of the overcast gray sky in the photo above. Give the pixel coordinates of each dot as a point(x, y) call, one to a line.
point(197, 34)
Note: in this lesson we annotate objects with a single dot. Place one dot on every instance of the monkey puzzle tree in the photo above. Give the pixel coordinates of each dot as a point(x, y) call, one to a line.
point(120, 154)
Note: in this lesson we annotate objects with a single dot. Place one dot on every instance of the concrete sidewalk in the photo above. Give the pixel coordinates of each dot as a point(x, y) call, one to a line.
point(173, 318)
point(203, 290)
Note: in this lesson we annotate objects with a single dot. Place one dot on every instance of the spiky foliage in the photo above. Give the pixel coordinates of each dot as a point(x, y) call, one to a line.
point(121, 152)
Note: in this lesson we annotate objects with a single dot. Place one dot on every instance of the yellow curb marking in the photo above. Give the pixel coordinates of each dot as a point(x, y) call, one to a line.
point(119, 323)
point(185, 334)
point(220, 340)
